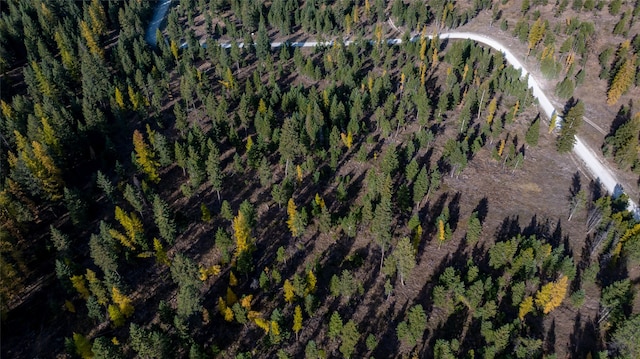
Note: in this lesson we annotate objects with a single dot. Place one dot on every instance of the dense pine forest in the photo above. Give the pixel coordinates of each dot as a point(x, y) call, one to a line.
point(355, 199)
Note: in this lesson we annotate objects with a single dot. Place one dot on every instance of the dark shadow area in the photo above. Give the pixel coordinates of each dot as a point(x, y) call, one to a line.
point(482, 209)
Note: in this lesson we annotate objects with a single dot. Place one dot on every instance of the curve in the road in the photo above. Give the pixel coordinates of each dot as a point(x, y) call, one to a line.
point(599, 170)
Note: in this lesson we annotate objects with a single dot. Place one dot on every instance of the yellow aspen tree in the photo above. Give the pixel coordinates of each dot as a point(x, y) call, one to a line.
point(232, 298)
point(145, 157)
point(262, 324)
point(222, 306)
point(7, 111)
point(378, 34)
point(292, 211)
point(491, 110)
point(262, 107)
point(423, 74)
point(79, 284)
point(233, 281)
point(356, 17)
point(96, 287)
point(68, 60)
point(83, 346)
point(525, 307)
point(299, 173)
point(40, 164)
point(367, 8)
point(252, 315)
point(297, 320)
point(230, 79)
point(516, 107)
point(536, 34)
point(173, 46)
point(319, 201)
point(311, 282)
point(161, 253)
point(441, 232)
point(241, 232)
point(249, 144)
point(570, 59)
point(228, 314)
point(119, 98)
point(551, 295)
point(49, 136)
point(347, 139)
point(122, 239)
point(44, 85)
point(289, 294)
point(115, 315)
point(205, 273)
point(131, 224)
point(98, 18)
point(423, 48)
point(134, 98)
point(46, 17)
point(90, 38)
point(275, 331)
point(245, 302)
point(629, 233)
point(465, 71)
point(347, 23)
point(501, 147)
point(622, 80)
point(122, 301)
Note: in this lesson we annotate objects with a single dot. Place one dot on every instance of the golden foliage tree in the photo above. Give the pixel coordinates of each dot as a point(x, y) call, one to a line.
point(79, 284)
point(49, 136)
point(311, 283)
point(292, 211)
point(161, 253)
point(145, 157)
point(121, 309)
point(119, 98)
point(441, 232)
point(83, 346)
point(45, 86)
point(132, 226)
point(174, 49)
point(36, 158)
point(525, 307)
point(96, 287)
point(347, 139)
point(536, 33)
point(493, 105)
point(551, 295)
point(297, 320)
point(241, 231)
point(262, 324)
point(122, 301)
point(91, 38)
point(622, 80)
point(289, 294)
point(98, 18)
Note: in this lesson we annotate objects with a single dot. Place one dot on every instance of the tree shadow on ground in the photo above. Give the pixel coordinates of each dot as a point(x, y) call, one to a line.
point(482, 209)
point(623, 116)
point(584, 338)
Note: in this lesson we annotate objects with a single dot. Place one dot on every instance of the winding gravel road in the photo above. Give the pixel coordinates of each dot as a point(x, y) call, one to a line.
point(596, 167)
